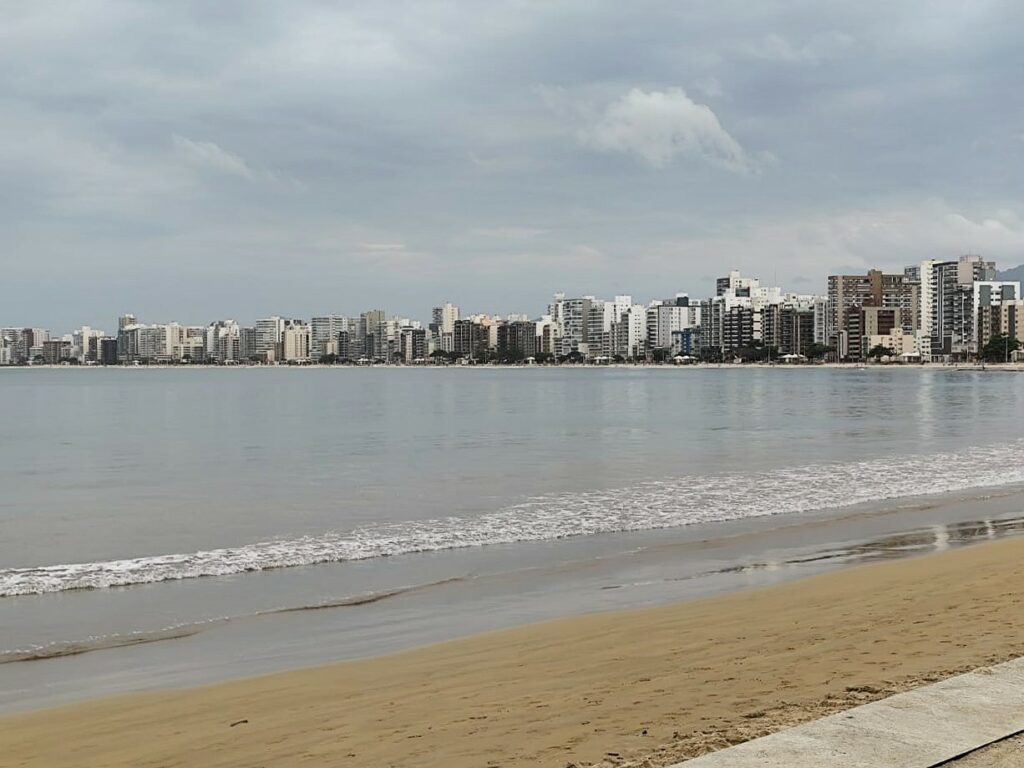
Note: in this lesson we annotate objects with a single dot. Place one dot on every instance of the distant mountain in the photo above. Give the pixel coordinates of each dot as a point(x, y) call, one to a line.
point(1017, 273)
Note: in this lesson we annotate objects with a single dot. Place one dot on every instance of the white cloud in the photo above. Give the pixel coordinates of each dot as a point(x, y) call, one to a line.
point(206, 154)
point(508, 233)
point(659, 126)
point(775, 47)
point(387, 247)
point(888, 237)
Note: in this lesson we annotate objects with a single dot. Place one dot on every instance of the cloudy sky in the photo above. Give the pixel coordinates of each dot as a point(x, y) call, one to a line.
point(191, 160)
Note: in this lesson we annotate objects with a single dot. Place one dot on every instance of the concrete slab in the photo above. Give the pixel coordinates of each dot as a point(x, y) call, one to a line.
point(917, 729)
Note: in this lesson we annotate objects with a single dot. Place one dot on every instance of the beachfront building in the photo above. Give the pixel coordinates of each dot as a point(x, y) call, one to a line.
point(517, 340)
point(735, 319)
point(546, 341)
point(947, 310)
point(269, 336)
point(629, 332)
point(987, 300)
point(142, 343)
point(412, 346)
point(295, 342)
point(85, 344)
point(371, 335)
point(470, 339)
point(223, 343)
point(572, 324)
point(668, 317)
point(442, 325)
point(790, 327)
point(325, 331)
point(859, 324)
point(847, 293)
point(56, 351)
point(23, 344)
point(902, 346)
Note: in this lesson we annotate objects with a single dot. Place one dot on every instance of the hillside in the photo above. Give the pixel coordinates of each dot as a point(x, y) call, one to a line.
point(1017, 273)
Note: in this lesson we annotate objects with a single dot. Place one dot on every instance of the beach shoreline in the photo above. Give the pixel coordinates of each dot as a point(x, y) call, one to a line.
point(949, 367)
point(658, 684)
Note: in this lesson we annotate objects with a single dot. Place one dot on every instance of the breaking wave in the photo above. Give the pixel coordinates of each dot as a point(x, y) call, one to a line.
point(650, 505)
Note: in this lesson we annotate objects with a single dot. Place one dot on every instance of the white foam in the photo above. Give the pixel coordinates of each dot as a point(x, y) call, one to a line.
point(649, 505)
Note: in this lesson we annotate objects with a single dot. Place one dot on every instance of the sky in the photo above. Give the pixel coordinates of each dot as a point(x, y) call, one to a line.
point(193, 160)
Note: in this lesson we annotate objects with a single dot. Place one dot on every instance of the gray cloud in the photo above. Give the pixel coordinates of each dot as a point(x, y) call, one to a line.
point(189, 160)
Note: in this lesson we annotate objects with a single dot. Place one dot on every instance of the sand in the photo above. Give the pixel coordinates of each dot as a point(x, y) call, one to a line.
point(1005, 754)
point(647, 687)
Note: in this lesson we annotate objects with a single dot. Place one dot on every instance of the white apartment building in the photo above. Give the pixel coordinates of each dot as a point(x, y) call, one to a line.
point(146, 343)
point(443, 320)
point(665, 319)
point(85, 344)
point(630, 333)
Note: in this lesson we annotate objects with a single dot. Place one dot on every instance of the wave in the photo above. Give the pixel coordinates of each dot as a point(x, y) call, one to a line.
point(100, 643)
point(649, 505)
point(60, 649)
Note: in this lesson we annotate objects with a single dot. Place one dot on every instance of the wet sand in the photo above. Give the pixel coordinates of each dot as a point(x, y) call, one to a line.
point(647, 687)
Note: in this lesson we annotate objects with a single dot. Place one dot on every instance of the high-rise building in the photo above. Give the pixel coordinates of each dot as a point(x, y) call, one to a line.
point(269, 338)
point(517, 340)
point(6, 350)
point(248, 343)
point(735, 284)
point(372, 334)
point(876, 288)
point(56, 351)
point(947, 310)
point(412, 344)
point(469, 339)
point(324, 333)
point(108, 351)
point(572, 323)
point(666, 317)
point(1011, 319)
point(295, 342)
point(85, 344)
point(987, 300)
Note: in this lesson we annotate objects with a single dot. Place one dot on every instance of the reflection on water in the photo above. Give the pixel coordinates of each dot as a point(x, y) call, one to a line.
point(935, 538)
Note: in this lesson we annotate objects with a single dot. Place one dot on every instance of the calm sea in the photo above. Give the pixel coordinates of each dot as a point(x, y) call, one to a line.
point(155, 504)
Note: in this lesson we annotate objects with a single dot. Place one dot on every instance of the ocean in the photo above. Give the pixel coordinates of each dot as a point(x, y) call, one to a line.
point(174, 526)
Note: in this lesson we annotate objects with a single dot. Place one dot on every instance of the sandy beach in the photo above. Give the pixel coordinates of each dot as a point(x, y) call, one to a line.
point(646, 687)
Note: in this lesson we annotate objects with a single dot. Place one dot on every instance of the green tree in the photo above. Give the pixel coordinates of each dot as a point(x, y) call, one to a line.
point(999, 348)
point(879, 351)
point(818, 351)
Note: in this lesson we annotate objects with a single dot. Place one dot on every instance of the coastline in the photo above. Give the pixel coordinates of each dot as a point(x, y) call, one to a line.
point(1012, 366)
point(661, 684)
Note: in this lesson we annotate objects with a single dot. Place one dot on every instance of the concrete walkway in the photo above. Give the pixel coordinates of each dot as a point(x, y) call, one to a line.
point(923, 728)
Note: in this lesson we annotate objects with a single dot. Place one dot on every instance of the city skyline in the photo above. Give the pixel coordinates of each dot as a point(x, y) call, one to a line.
point(935, 310)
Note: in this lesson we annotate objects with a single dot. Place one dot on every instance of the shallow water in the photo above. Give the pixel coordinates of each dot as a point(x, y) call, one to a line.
point(407, 506)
